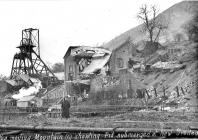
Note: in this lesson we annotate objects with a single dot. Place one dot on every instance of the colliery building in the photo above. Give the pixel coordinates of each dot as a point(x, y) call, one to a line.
point(82, 63)
point(90, 71)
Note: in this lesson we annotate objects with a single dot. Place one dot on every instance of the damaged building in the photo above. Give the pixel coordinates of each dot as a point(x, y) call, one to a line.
point(93, 71)
point(81, 64)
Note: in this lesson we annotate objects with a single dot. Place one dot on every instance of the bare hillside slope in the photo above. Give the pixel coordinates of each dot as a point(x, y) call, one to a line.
point(175, 17)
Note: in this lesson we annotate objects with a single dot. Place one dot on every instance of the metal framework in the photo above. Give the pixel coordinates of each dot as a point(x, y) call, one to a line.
point(28, 60)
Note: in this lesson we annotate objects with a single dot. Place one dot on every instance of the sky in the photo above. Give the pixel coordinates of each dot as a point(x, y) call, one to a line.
point(64, 23)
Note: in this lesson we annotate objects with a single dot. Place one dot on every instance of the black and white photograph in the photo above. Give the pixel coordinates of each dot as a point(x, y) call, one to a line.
point(98, 69)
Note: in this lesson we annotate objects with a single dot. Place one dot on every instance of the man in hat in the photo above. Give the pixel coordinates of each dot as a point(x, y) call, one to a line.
point(65, 108)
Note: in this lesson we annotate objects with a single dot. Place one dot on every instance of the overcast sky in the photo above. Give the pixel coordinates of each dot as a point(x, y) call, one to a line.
point(66, 22)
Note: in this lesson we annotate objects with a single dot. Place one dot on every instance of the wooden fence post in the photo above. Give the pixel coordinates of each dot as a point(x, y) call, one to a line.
point(163, 104)
point(177, 90)
point(147, 94)
point(155, 92)
point(146, 99)
point(182, 90)
point(164, 90)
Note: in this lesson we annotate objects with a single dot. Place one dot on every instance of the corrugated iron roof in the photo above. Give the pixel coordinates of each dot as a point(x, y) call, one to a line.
point(12, 82)
point(34, 80)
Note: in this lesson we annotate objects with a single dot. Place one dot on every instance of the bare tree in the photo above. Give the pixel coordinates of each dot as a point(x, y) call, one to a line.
point(151, 24)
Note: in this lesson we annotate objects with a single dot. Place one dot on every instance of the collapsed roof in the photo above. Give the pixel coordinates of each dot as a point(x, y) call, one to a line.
point(86, 51)
point(98, 57)
point(96, 64)
point(167, 65)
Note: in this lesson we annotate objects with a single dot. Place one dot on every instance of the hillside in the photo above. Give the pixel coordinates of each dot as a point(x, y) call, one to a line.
point(175, 17)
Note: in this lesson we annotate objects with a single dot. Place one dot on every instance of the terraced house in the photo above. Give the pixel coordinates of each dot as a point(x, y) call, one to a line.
point(120, 57)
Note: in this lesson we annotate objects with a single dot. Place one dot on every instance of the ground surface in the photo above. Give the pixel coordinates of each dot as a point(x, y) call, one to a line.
point(138, 119)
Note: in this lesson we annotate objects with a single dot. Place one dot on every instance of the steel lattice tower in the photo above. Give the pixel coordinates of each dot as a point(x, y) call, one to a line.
point(28, 60)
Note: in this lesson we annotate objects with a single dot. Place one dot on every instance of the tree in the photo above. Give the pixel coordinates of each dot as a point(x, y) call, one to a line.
point(3, 77)
point(58, 67)
point(151, 24)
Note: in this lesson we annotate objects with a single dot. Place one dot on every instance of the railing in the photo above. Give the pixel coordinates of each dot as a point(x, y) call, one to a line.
point(13, 112)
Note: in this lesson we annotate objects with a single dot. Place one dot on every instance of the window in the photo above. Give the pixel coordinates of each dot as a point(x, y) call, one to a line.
point(120, 62)
point(70, 76)
point(70, 68)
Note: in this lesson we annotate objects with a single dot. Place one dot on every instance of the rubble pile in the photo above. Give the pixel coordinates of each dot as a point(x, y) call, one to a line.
point(38, 118)
point(167, 65)
point(109, 81)
point(135, 102)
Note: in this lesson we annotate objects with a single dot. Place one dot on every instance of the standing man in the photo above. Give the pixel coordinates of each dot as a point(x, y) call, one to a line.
point(65, 108)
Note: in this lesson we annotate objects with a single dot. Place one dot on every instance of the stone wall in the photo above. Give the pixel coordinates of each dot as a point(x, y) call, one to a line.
point(109, 87)
point(120, 57)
